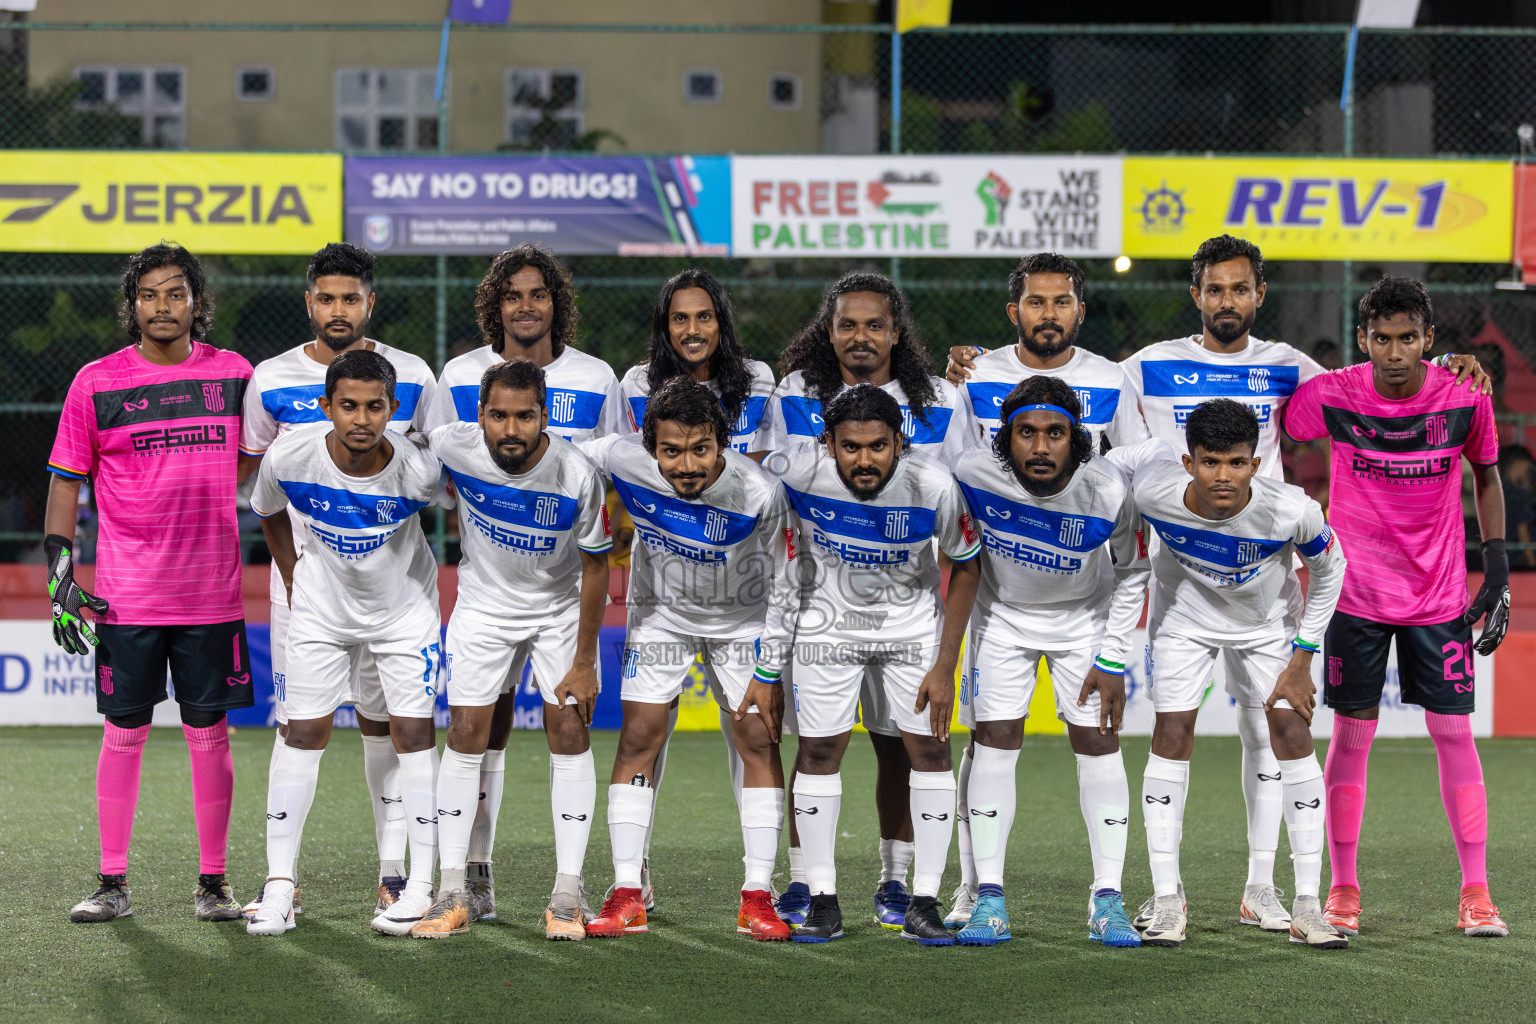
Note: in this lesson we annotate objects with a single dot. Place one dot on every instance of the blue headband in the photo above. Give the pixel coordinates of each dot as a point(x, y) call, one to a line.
point(1048, 408)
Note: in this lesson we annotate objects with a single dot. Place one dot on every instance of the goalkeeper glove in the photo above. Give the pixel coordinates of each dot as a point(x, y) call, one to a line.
point(1492, 598)
point(70, 631)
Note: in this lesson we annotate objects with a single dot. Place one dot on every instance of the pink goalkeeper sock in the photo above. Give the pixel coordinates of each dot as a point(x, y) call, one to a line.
point(1344, 776)
point(1461, 790)
point(117, 793)
point(213, 789)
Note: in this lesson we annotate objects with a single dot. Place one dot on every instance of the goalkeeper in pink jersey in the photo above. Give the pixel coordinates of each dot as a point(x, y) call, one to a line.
point(1400, 427)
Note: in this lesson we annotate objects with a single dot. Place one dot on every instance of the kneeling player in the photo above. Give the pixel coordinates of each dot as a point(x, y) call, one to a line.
point(367, 581)
point(1225, 583)
point(1063, 577)
point(711, 536)
point(869, 516)
point(531, 589)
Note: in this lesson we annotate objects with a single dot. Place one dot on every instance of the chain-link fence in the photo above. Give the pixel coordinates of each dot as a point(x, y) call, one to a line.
point(1153, 89)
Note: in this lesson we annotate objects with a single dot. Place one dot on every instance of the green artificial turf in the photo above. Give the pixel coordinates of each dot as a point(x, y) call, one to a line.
point(1410, 964)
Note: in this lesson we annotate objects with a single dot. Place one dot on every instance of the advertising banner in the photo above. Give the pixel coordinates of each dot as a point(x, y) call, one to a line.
point(103, 201)
point(600, 205)
point(841, 206)
point(1455, 211)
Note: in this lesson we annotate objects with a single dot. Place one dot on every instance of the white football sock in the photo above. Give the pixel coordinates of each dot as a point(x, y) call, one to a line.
point(1162, 790)
point(1261, 795)
point(797, 864)
point(418, 782)
point(279, 741)
point(572, 802)
point(290, 792)
point(1104, 796)
point(895, 860)
point(933, 820)
point(1305, 807)
point(381, 770)
point(818, 802)
point(963, 821)
point(629, 820)
point(493, 776)
point(762, 819)
point(458, 794)
point(992, 800)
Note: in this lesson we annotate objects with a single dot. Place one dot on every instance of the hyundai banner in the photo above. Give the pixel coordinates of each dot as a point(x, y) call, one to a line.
point(626, 206)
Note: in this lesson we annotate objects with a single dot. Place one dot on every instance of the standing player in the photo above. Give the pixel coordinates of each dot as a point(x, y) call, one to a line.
point(693, 334)
point(154, 426)
point(712, 536)
point(870, 517)
point(1063, 576)
point(526, 309)
point(1399, 428)
point(1225, 585)
point(285, 392)
point(864, 333)
point(532, 588)
point(367, 582)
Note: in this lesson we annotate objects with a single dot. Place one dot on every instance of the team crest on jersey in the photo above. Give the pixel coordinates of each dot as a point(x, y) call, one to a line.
point(385, 510)
point(1248, 552)
point(1085, 399)
point(897, 524)
point(1071, 533)
point(1437, 431)
point(562, 407)
point(1258, 379)
point(213, 396)
point(546, 510)
point(714, 527)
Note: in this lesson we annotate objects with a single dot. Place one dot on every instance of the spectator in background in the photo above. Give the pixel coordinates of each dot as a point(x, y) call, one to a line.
point(1326, 352)
point(1518, 470)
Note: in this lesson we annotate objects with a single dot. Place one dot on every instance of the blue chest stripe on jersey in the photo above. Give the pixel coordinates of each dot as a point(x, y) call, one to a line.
point(1177, 378)
point(569, 409)
point(540, 510)
point(346, 509)
point(1216, 548)
point(802, 418)
point(699, 523)
point(301, 403)
point(1098, 404)
point(1082, 533)
point(903, 524)
point(746, 423)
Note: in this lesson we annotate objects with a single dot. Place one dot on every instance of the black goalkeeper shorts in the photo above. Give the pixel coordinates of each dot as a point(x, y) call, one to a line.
point(209, 665)
point(1434, 664)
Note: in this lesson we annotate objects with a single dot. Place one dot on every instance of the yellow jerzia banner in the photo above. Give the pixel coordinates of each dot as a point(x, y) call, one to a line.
point(104, 201)
point(1454, 211)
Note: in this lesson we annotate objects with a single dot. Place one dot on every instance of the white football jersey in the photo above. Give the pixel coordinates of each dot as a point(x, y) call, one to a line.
point(1058, 573)
point(876, 573)
point(750, 432)
point(580, 391)
point(367, 563)
point(285, 392)
point(794, 417)
point(701, 567)
point(1170, 378)
point(1107, 399)
point(1232, 579)
point(522, 535)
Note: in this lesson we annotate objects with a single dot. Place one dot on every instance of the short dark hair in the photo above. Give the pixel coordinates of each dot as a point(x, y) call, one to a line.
point(1221, 425)
point(360, 364)
point(1041, 390)
point(1393, 295)
point(859, 404)
point(342, 259)
point(166, 254)
point(1221, 249)
point(562, 328)
point(517, 374)
point(684, 400)
point(729, 369)
point(1044, 263)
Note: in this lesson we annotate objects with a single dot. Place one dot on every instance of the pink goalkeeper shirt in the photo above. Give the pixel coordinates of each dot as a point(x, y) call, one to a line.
point(161, 444)
point(1395, 495)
